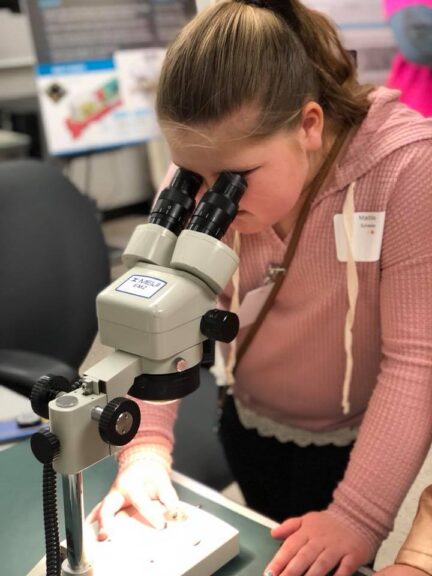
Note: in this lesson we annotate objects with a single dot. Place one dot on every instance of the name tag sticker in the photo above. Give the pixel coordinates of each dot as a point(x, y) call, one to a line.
point(368, 229)
point(144, 286)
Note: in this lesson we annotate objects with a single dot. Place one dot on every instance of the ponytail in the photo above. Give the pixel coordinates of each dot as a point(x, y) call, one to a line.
point(273, 55)
point(340, 93)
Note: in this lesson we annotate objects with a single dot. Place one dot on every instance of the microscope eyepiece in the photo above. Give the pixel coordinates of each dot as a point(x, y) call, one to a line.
point(219, 205)
point(176, 202)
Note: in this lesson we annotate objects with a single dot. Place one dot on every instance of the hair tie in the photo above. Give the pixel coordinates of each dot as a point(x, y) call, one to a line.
point(258, 3)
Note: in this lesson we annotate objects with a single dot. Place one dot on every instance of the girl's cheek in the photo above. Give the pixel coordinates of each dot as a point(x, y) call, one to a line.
point(249, 200)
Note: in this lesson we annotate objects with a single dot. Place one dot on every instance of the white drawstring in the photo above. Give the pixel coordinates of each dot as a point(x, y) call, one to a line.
point(348, 211)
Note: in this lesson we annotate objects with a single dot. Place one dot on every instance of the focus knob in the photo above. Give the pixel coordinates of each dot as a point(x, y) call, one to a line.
point(220, 325)
point(45, 390)
point(45, 446)
point(119, 421)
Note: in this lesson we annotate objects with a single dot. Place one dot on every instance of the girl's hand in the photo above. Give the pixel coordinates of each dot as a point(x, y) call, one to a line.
point(144, 485)
point(400, 570)
point(314, 544)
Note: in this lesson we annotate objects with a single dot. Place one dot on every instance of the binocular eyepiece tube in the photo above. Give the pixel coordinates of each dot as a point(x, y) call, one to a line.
point(219, 205)
point(214, 213)
point(176, 203)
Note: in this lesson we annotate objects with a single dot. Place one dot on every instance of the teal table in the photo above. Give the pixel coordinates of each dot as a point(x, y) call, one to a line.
point(21, 520)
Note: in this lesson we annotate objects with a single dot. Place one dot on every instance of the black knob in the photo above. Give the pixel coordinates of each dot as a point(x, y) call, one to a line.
point(45, 390)
point(45, 446)
point(119, 421)
point(208, 357)
point(220, 325)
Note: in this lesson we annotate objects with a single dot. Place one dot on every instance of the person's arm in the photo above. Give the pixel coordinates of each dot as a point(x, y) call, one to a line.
point(415, 555)
point(397, 429)
point(417, 548)
point(400, 570)
point(155, 437)
point(412, 29)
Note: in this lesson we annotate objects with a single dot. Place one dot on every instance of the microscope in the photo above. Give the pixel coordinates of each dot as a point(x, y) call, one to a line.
point(161, 321)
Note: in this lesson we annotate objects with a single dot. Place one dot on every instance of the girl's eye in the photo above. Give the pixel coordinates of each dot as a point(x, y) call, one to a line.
point(245, 173)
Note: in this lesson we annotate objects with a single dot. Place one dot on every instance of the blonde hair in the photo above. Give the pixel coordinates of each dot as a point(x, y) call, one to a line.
point(274, 58)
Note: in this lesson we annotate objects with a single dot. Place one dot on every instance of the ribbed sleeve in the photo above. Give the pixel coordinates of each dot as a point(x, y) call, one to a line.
point(397, 429)
point(155, 436)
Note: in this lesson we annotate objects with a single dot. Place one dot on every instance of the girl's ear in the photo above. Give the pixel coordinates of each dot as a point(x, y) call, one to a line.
point(312, 126)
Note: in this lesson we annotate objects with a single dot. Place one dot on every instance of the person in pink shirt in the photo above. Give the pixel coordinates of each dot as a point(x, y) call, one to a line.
point(330, 415)
point(411, 71)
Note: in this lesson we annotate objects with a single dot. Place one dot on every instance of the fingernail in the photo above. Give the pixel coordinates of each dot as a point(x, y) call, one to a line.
point(268, 573)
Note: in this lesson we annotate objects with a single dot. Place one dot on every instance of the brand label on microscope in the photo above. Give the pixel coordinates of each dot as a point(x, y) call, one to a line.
point(144, 286)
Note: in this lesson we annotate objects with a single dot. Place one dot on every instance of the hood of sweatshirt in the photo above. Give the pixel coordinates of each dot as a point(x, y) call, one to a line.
point(385, 130)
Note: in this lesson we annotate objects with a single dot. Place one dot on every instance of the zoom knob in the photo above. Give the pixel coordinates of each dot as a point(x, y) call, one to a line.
point(220, 325)
point(119, 421)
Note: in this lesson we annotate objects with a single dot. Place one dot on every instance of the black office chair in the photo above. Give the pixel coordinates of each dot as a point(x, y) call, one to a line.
point(53, 263)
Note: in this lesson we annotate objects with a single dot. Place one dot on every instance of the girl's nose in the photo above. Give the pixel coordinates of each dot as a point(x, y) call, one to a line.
point(207, 183)
point(200, 192)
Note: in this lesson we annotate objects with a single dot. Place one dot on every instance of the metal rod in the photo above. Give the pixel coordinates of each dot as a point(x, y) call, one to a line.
point(74, 523)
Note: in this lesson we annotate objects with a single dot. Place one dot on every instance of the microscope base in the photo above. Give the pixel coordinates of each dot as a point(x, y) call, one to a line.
point(196, 543)
point(66, 570)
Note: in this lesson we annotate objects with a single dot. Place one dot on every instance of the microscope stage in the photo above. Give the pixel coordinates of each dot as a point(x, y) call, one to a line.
point(194, 543)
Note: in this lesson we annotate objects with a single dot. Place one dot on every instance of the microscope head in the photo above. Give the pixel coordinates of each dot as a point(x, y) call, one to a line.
point(163, 308)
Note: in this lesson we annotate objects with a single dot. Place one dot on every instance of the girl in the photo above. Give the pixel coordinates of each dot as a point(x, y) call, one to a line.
point(330, 418)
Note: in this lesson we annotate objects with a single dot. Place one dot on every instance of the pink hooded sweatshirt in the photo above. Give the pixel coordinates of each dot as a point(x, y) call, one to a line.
point(293, 372)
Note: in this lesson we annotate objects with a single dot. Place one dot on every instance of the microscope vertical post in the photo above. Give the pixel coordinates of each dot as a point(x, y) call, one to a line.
point(74, 523)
